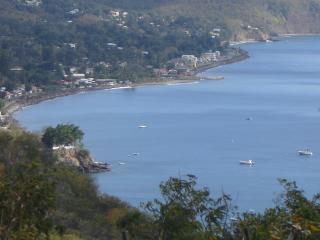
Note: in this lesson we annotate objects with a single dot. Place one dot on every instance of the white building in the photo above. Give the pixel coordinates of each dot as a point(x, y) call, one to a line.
point(78, 76)
point(190, 60)
point(33, 3)
point(209, 57)
point(115, 13)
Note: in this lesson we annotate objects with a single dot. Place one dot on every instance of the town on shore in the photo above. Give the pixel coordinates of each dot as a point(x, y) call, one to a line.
point(183, 69)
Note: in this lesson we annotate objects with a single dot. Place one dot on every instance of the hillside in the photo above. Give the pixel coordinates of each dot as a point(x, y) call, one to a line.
point(271, 16)
point(44, 42)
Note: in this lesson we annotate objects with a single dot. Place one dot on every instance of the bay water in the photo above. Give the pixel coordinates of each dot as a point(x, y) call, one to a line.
point(265, 109)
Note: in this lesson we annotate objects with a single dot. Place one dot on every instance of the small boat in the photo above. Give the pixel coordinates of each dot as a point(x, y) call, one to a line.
point(247, 162)
point(305, 152)
point(142, 126)
point(135, 154)
point(249, 118)
point(121, 163)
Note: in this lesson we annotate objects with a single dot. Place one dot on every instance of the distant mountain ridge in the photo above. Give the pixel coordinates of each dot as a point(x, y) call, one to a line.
point(271, 16)
point(234, 16)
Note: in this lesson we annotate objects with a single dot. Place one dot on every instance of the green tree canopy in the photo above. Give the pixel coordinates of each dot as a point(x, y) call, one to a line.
point(62, 134)
point(187, 212)
point(2, 103)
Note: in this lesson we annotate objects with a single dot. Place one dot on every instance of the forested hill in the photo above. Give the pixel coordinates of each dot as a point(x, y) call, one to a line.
point(280, 16)
point(42, 41)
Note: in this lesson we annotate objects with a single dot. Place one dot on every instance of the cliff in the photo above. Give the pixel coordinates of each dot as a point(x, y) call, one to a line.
point(81, 159)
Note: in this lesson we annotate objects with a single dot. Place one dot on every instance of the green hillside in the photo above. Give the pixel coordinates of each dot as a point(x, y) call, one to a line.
point(279, 16)
point(42, 41)
point(44, 199)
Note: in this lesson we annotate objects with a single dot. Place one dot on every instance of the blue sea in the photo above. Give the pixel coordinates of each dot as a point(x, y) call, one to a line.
point(203, 128)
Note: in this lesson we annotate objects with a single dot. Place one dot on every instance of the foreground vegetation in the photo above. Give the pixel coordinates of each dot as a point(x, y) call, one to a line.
point(41, 199)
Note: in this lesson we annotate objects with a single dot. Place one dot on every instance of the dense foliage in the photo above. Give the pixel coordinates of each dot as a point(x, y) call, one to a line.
point(41, 199)
point(40, 44)
point(281, 16)
point(26, 189)
point(62, 134)
point(189, 213)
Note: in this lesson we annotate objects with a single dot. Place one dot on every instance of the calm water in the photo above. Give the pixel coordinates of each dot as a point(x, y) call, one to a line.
point(202, 128)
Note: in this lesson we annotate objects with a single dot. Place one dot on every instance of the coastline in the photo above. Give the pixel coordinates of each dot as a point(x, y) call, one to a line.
point(19, 104)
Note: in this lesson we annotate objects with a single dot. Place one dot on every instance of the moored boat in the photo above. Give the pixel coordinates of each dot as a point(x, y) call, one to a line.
point(247, 162)
point(305, 152)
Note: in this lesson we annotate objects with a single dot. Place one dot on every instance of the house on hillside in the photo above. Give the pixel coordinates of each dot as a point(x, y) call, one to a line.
point(16, 69)
point(77, 76)
point(110, 44)
point(33, 3)
point(115, 13)
point(74, 11)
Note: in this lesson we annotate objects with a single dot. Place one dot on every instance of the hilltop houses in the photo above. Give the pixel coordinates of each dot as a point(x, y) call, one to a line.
point(115, 13)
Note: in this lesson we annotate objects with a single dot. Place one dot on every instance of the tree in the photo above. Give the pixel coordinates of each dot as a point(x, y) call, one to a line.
point(48, 138)
point(62, 134)
point(4, 62)
point(26, 199)
point(188, 213)
point(9, 85)
point(26, 190)
point(2, 104)
point(293, 218)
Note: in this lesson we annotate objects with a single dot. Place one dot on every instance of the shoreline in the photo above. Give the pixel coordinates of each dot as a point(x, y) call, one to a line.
point(298, 34)
point(19, 104)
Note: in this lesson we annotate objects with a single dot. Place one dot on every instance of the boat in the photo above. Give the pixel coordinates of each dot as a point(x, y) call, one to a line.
point(305, 152)
point(247, 162)
point(121, 163)
point(135, 154)
point(142, 126)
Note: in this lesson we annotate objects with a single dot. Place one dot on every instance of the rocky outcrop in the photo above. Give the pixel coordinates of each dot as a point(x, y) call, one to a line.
point(81, 159)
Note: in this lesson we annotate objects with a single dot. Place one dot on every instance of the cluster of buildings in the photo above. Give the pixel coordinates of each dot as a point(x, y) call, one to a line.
point(19, 92)
point(187, 64)
point(81, 80)
point(215, 33)
point(117, 14)
point(193, 62)
point(119, 17)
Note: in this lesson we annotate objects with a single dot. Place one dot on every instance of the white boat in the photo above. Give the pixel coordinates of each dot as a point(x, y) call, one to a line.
point(247, 162)
point(121, 163)
point(305, 152)
point(142, 126)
